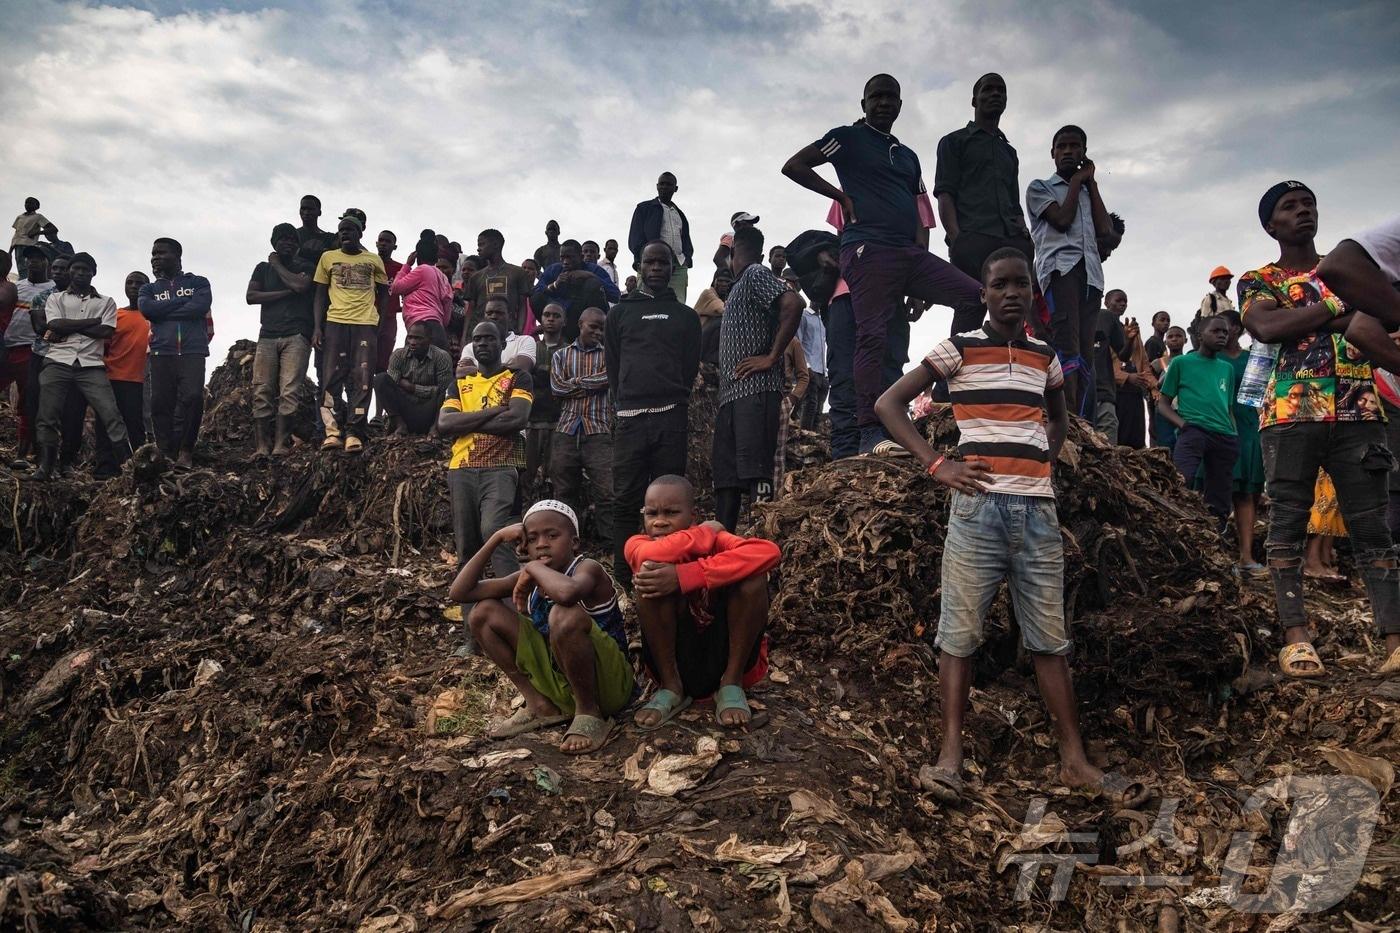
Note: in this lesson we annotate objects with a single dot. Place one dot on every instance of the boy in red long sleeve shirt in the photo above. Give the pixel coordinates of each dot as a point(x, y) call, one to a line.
point(703, 605)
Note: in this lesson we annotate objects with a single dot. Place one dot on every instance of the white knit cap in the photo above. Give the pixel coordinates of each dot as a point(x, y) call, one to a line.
point(553, 505)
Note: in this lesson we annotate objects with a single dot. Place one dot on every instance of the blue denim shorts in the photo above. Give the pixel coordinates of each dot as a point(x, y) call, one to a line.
point(993, 537)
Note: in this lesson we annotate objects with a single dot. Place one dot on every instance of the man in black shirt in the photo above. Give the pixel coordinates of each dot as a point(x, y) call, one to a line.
point(548, 254)
point(651, 346)
point(282, 286)
point(978, 193)
point(1110, 341)
point(312, 241)
point(1156, 345)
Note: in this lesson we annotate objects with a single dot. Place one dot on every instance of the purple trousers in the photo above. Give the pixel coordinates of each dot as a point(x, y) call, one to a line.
point(880, 278)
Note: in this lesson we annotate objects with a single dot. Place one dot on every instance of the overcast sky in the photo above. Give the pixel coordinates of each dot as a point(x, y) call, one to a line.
point(131, 122)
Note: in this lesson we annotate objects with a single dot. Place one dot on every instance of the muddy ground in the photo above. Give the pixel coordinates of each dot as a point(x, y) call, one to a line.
point(214, 689)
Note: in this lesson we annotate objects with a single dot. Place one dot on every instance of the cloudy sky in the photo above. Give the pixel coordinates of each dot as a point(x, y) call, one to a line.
point(207, 124)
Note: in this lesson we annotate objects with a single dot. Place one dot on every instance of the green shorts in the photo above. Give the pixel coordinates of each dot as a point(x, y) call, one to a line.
point(612, 671)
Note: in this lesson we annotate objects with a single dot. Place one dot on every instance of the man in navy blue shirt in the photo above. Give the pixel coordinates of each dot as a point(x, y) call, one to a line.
point(574, 284)
point(884, 243)
point(176, 303)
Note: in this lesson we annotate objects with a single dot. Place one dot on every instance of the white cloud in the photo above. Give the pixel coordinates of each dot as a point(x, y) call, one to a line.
point(130, 124)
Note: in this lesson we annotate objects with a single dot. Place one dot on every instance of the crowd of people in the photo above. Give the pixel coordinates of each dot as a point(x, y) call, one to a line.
point(564, 385)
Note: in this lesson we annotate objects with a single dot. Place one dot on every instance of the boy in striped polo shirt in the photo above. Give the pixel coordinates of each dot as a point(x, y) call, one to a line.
point(1002, 523)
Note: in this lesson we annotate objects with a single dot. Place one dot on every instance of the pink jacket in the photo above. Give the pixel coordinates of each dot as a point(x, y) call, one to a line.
point(426, 294)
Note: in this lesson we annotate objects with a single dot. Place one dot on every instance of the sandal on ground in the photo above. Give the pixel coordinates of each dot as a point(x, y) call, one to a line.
point(1300, 660)
point(1252, 569)
point(1125, 793)
point(332, 442)
point(946, 786)
point(888, 449)
point(523, 721)
point(728, 697)
point(1391, 665)
point(666, 703)
point(595, 730)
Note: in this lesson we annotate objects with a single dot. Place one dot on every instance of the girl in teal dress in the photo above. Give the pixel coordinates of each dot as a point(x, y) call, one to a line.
point(1249, 467)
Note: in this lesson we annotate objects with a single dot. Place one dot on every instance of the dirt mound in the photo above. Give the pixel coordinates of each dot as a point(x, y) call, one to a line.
point(214, 687)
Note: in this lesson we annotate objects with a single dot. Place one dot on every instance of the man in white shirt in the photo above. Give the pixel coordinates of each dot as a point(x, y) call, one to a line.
point(518, 350)
point(608, 262)
point(78, 321)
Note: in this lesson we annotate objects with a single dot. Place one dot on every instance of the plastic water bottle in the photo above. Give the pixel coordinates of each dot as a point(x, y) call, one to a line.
point(1255, 382)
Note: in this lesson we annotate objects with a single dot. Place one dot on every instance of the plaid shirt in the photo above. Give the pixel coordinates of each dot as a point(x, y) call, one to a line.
point(579, 377)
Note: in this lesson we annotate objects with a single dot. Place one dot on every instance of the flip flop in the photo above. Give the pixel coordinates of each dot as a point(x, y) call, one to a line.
point(888, 449)
point(595, 730)
point(946, 786)
point(1391, 665)
point(1294, 659)
point(731, 696)
point(1126, 794)
point(523, 721)
point(666, 703)
point(1251, 569)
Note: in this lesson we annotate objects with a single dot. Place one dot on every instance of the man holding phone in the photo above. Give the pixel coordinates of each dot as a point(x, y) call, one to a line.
point(1067, 217)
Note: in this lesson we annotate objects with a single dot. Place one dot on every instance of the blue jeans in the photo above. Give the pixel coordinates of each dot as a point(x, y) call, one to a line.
point(847, 439)
point(996, 536)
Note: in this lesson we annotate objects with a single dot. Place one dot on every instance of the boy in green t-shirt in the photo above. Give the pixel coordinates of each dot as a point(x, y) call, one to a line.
point(1197, 397)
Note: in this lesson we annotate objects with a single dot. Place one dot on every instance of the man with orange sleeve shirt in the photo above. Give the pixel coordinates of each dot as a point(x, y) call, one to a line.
point(702, 600)
point(126, 371)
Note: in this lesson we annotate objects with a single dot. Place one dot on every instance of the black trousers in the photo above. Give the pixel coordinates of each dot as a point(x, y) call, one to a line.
point(130, 399)
point(644, 447)
point(1355, 455)
point(1074, 311)
point(418, 414)
point(347, 370)
point(177, 401)
point(1196, 446)
point(813, 402)
point(968, 252)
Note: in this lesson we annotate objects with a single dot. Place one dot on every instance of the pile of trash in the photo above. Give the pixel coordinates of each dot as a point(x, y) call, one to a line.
point(230, 700)
point(229, 415)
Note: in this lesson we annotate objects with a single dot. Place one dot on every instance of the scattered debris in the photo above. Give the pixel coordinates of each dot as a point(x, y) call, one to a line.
point(229, 700)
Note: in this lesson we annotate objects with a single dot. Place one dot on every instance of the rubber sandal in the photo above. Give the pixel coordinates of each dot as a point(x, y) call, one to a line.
point(946, 786)
point(523, 721)
point(731, 696)
point(595, 730)
point(666, 703)
point(1293, 660)
point(888, 449)
point(332, 442)
point(1251, 569)
point(1391, 665)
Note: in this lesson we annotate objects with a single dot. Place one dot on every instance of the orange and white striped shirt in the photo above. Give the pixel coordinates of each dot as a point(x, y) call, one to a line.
point(997, 389)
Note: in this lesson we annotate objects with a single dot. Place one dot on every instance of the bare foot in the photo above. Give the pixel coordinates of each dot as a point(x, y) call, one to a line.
point(1080, 774)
